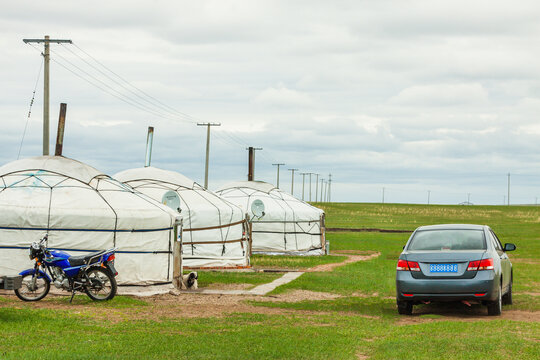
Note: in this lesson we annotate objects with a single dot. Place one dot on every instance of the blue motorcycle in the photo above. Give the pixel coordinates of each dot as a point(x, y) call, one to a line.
point(93, 273)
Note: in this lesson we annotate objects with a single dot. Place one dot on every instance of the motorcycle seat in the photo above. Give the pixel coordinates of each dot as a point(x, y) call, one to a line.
point(83, 259)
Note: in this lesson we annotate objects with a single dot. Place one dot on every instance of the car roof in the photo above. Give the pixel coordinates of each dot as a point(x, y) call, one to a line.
point(452, 227)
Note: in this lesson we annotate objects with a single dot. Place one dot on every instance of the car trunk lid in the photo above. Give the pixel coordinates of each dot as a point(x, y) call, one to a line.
point(444, 264)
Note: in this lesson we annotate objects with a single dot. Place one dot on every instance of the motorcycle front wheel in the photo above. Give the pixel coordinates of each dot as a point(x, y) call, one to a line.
point(33, 289)
point(102, 284)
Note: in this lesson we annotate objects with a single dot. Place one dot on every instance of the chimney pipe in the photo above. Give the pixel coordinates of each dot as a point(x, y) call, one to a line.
point(251, 163)
point(149, 140)
point(60, 133)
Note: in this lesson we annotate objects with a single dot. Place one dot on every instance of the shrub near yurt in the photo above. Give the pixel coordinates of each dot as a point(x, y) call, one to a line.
point(83, 210)
point(213, 228)
point(280, 223)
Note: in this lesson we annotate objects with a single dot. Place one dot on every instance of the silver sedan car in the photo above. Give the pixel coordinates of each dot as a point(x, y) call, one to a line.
point(454, 262)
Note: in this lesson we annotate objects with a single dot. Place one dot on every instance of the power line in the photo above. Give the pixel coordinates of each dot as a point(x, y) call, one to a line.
point(121, 97)
point(30, 108)
point(126, 85)
point(133, 86)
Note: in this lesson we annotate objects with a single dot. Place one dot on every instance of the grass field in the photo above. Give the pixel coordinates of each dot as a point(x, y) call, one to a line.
point(355, 319)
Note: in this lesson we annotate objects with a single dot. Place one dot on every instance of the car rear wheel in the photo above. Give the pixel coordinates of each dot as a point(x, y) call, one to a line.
point(404, 307)
point(507, 298)
point(495, 307)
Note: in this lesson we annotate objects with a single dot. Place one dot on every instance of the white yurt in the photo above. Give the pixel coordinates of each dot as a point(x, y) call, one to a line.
point(288, 225)
point(83, 210)
point(213, 228)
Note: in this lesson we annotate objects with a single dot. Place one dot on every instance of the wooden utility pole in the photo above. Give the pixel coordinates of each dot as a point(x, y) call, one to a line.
point(207, 149)
point(292, 180)
point(303, 183)
point(251, 162)
point(508, 189)
point(60, 133)
point(278, 165)
point(329, 187)
point(316, 187)
point(46, 59)
point(310, 185)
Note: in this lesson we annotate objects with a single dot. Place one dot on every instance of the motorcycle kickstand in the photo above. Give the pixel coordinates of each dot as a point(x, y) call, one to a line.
point(72, 295)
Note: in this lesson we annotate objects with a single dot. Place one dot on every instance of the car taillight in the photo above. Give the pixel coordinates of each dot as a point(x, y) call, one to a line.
point(413, 265)
point(486, 264)
point(403, 265)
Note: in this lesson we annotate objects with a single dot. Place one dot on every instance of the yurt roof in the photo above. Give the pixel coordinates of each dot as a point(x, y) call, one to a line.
point(255, 185)
point(55, 164)
point(152, 173)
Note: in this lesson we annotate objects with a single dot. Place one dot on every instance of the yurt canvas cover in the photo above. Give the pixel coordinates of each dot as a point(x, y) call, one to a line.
point(289, 225)
point(213, 228)
point(82, 210)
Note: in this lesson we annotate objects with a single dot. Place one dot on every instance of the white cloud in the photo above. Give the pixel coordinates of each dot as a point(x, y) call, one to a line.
point(283, 97)
point(442, 95)
point(420, 92)
point(103, 124)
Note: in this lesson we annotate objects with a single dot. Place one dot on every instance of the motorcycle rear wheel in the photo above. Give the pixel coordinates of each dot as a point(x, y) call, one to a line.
point(25, 293)
point(102, 284)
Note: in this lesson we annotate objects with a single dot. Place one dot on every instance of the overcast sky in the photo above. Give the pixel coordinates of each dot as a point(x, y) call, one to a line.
point(410, 96)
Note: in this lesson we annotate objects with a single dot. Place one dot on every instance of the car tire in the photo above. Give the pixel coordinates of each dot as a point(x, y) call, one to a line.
point(507, 298)
point(404, 307)
point(495, 307)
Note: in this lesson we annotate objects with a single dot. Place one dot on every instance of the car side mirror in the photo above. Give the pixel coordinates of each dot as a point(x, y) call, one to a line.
point(509, 247)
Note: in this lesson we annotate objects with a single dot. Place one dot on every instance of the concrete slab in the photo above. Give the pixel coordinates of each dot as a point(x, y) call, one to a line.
point(144, 291)
point(259, 290)
point(266, 288)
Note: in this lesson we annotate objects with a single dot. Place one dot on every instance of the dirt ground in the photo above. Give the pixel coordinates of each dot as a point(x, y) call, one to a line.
point(350, 259)
point(167, 306)
point(194, 305)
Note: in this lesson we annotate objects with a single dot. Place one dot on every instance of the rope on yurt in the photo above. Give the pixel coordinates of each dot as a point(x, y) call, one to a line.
point(177, 190)
point(294, 218)
point(219, 217)
point(109, 205)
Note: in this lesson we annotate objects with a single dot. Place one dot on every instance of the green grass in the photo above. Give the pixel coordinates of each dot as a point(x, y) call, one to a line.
point(363, 321)
point(292, 262)
point(207, 278)
point(60, 335)
point(118, 302)
point(366, 277)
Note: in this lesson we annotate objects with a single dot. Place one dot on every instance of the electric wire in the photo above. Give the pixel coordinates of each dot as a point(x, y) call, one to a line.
point(127, 86)
point(121, 97)
point(118, 93)
point(136, 98)
point(30, 108)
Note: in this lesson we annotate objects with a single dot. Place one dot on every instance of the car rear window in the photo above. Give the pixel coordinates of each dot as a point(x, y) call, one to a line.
point(445, 240)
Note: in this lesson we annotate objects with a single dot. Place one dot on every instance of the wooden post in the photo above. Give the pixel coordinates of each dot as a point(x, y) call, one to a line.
point(248, 244)
point(250, 230)
point(323, 230)
point(177, 255)
point(60, 134)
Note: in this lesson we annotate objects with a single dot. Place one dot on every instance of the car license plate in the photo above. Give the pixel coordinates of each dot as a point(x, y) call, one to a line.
point(443, 268)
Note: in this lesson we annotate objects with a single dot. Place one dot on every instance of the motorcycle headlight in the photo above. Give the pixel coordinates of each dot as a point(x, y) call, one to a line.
point(34, 248)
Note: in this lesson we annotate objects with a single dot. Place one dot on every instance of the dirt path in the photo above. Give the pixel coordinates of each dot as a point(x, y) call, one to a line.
point(458, 312)
point(350, 259)
point(163, 307)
